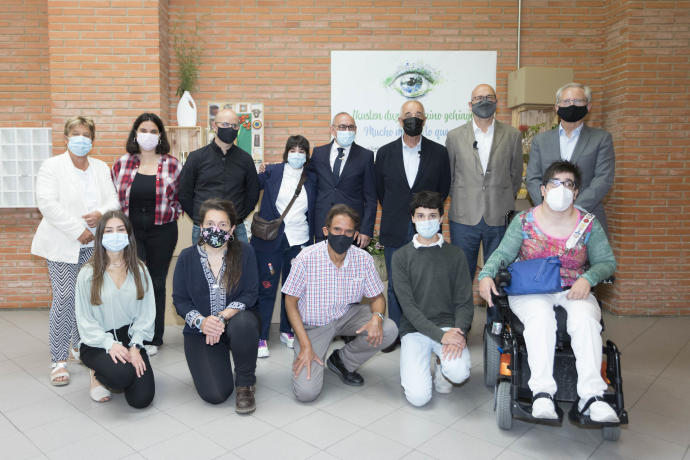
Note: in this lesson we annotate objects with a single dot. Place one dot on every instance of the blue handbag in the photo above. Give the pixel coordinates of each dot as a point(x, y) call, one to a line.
point(535, 276)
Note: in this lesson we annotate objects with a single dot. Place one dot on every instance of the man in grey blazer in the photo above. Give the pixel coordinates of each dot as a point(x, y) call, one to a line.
point(591, 149)
point(486, 172)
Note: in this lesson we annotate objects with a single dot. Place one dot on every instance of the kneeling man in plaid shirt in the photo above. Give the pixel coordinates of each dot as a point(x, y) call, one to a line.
point(322, 299)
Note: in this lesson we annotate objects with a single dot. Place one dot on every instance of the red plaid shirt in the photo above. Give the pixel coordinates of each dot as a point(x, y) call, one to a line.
point(325, 291)
point(168, 207)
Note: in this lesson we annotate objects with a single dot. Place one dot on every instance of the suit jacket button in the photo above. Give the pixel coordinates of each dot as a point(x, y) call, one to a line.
point(483, 187)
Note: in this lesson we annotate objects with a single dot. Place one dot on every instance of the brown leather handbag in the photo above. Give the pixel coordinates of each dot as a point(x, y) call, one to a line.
point(268, 229)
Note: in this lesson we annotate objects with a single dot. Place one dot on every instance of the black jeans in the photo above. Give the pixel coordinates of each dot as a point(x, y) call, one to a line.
point(210, 365)
point(139, 391)
point(155, 246)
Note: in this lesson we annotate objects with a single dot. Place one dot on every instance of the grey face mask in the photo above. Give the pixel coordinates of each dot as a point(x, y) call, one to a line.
point(484, 109)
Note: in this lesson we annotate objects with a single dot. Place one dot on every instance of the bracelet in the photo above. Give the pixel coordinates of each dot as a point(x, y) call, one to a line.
point(222, 318)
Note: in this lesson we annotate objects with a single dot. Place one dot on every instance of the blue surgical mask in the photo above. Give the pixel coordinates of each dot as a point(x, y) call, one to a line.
point(296, 159)
point(79, 145)
point(115, 242)
point(428, 228)
point(345, 138)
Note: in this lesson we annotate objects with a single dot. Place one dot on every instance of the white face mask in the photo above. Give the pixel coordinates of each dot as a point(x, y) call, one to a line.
point(559, 198)
point(147, 141)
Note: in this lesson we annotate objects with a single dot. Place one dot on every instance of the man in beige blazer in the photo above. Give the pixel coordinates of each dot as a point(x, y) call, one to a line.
point(485, 175)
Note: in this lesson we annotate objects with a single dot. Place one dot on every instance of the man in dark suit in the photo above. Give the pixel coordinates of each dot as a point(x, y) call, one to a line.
point(486, 174)
point(410, 164)
point(591, 149)
point(345, 174)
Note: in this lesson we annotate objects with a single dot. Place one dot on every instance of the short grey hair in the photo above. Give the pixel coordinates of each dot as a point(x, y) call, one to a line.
point(585, 88)
point(341, 113)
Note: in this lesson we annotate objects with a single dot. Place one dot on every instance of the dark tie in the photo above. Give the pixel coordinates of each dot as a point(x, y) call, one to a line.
point(337, 162)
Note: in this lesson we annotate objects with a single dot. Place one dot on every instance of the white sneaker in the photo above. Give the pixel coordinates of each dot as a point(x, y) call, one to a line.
point(544, 408)
point(263, 350)
point(600, 412)
point(151, 350)
point(288, 339)
point(441, 383)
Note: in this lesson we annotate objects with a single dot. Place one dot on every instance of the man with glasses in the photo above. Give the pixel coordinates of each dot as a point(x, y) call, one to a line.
point(486, 173)
point(346, 175)
point(323, 295)
point(220, 170)
point(407, 165)
point(591, 149)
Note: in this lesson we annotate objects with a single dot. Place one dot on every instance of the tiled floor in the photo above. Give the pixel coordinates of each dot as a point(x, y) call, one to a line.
point(374, 421)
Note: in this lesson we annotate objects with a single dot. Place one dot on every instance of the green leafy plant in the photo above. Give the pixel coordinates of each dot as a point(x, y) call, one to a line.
point(188, 47)
point(375, 248)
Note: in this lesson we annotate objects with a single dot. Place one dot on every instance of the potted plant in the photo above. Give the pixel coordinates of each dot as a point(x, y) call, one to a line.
point(187, 46)
point(375, 248)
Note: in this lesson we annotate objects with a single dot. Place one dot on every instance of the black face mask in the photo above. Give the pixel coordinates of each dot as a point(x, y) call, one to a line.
point(413, 126)
point(227, 135)
point(484, 109)
point(572, 113)
point(340, 243)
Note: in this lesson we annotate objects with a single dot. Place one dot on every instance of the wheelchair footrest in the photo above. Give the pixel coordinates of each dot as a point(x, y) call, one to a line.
point(576, 417)
point(524, 411)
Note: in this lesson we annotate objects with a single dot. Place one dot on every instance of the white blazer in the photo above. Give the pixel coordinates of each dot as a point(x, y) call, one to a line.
point(60, 198)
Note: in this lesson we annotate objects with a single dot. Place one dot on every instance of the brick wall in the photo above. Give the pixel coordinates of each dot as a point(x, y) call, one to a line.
point(104, 59)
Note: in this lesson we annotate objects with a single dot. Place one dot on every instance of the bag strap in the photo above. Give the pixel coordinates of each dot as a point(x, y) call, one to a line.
point(301, 182)
point(579, 230)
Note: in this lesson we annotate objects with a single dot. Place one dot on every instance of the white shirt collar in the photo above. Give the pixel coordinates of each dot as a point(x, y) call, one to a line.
point(417, 244)
point(414, 148)
point(477, 128)
point(575, 133)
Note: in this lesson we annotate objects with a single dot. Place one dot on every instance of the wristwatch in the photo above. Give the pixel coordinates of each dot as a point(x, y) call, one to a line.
point(380, 315)
point(222, 318)
point(197, 322)
point(138, 346)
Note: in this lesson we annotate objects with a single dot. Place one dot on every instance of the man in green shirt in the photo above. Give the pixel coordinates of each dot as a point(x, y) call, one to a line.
point(435, 292)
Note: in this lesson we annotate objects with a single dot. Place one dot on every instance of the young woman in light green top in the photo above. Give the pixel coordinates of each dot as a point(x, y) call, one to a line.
point(115, 309)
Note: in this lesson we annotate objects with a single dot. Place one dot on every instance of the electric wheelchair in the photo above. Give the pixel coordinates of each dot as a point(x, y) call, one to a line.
point(507, 371)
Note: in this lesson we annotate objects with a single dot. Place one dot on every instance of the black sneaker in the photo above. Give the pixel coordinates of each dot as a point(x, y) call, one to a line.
point(336, 365)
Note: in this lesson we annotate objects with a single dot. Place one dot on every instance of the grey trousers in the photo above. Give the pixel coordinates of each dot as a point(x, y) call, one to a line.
point(353, 354)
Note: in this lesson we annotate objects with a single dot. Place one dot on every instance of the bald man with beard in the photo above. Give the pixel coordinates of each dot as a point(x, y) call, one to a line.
point(410, 164)
point(486, 173)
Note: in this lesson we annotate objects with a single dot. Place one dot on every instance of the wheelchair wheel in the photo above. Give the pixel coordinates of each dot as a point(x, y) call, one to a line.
point(504, 403)
point(611, 433)
point(492, 358)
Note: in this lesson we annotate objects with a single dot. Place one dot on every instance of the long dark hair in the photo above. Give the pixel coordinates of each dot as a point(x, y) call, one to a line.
point(99, 260)
point(132, 144)
point(233, 253)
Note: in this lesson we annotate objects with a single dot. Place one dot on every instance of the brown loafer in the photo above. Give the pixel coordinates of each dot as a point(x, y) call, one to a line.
point(244, 400)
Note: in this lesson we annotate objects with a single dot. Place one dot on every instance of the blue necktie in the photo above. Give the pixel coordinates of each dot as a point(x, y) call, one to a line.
point(337, 162)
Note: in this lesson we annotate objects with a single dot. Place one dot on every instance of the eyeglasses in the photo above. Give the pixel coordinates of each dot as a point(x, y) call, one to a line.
point(225, 124)
point(569, 184)
point(478, 99)
point(567, 102)
point(346, 127)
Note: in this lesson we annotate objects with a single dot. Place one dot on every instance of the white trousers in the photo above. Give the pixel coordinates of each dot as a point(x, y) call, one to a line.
point(536, 313)
point(415, 366)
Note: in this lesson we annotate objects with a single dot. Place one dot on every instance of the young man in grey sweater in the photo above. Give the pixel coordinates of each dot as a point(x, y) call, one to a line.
point(435, 292)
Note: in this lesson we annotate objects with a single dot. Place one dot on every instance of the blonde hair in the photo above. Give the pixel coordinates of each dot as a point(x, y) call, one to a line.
point(80, 121)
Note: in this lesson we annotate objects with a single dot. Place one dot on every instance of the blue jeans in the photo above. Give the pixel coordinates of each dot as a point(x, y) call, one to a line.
point(268, 283)
point(240, 233)
point(468, 237)
point(394, 310)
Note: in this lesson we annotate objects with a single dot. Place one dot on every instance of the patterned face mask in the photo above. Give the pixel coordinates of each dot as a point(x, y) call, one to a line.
point(214, 236)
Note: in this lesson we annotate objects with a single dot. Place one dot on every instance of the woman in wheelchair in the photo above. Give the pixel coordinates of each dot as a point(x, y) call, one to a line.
point(543, 231)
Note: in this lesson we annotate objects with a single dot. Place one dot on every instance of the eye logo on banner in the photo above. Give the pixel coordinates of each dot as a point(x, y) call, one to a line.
point(413, 80)
point(373, 85)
